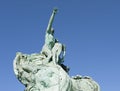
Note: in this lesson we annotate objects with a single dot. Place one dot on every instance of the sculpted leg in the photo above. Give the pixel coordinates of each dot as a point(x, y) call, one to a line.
point(56, 51)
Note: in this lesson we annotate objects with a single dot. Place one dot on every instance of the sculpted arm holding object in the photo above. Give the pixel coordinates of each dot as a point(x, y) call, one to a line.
point(49, 38)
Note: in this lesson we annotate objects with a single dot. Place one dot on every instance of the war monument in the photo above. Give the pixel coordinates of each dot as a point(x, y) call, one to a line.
point(45, 71)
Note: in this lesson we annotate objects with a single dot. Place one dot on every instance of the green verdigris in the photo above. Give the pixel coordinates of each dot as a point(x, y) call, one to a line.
point(45, 71)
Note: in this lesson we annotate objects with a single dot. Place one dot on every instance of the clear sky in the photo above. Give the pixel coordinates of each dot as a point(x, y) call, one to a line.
point(90, 29)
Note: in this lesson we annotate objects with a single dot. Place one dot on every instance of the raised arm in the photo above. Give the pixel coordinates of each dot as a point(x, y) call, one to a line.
point(51, 21)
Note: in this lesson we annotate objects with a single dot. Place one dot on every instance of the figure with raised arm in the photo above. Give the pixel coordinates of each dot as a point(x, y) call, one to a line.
point(49, 38)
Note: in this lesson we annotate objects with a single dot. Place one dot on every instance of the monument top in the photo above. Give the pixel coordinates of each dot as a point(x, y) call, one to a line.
point(45, 71)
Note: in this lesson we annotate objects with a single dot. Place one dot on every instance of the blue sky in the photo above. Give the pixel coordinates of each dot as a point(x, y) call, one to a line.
point(90, 29)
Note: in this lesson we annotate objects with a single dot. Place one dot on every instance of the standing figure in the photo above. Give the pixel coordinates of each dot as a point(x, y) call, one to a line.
point(49, 38)
point(52, 49)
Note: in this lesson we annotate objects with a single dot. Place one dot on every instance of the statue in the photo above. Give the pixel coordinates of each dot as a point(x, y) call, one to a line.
point(52, 48)
point(45, 71)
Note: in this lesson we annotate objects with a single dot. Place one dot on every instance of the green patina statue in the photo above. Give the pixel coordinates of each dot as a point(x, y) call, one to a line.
point(45, 71)
point(52, 48)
